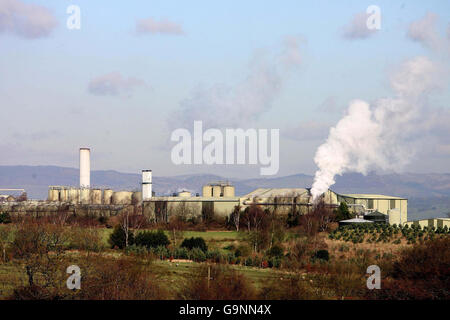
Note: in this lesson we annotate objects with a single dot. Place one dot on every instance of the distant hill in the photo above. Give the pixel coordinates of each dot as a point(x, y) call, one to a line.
point(428, 194)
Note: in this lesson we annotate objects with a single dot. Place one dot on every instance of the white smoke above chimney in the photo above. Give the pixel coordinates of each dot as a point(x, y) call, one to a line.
point(379, 137)
point(85, 168)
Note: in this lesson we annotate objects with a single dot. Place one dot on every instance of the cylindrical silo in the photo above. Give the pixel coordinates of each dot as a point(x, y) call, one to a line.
point(64, 195)
point(122, 197)
point(96, 196)
point(217, 190)
point(85, 196)
point(207, 191)
point(228, 191)
point(136, 197)
point(53, 194)
point(74, 195)
point(107, 195)
point(146, 185)
point(85, 168)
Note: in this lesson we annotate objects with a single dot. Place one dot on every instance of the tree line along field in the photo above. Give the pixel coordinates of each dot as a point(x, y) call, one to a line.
point(270, 257)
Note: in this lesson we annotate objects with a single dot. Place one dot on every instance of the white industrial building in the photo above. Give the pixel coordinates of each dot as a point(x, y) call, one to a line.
point(219, 198)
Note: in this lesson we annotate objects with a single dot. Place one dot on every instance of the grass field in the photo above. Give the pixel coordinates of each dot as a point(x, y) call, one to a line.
point(172, 274)
point(214, 239)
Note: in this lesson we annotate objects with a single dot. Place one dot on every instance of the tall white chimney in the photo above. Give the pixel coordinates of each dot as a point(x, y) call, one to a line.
point(85, 167)
point(146, 185)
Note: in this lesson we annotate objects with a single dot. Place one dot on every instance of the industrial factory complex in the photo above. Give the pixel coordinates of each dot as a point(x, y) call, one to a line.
point(217, 198)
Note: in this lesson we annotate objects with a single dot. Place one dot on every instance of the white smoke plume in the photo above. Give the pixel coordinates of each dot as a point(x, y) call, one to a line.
point(377, 137)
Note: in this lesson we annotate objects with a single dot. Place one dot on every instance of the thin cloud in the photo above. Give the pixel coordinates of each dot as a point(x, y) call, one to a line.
point(26, 20)
point(164, 26)
point(113, 84)
point(357, 28)
point(425, 31)
point(291, 54)
point(221, 105)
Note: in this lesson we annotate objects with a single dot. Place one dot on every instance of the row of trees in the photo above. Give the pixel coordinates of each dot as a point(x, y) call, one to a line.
point(381, 232)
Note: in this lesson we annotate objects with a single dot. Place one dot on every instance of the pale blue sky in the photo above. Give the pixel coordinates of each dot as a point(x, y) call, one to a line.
point(48, 111)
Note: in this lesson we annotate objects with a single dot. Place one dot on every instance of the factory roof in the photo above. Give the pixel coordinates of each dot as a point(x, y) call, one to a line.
point(193, 199)
point(372, 196)
point(355, 220)
point(375, 213)
point(277, 192)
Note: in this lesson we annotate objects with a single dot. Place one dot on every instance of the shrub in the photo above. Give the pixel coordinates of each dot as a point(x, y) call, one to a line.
point(161, 251)
point(293, 219)
point(136, 250)
point(103, 220)
point(342, 212)
point(230, 247)
point(117, 238)
point(321, 255)
point(181, 253)
point(214, 255)
point(420, 272)
point(275, 252)
point(86, 239)
point(243, 251)
point(275, 263)
point(5, 218)
point(230, 258)
point(198, 255)
point(257, 261)
point(191, 243)
point(151, 239)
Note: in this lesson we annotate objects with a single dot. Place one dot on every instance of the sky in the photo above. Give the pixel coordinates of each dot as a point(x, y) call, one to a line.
point(135, 71)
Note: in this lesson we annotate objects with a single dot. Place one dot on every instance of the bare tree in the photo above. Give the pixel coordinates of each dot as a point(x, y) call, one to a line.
point(125, 223)
point(235, 216)
point(41, 248)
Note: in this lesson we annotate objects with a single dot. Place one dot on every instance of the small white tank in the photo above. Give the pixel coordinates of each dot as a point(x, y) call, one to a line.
point(184, 194)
